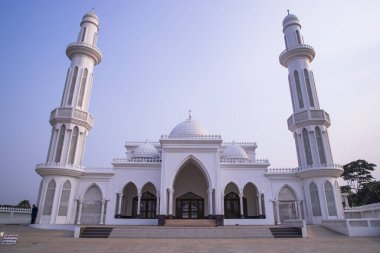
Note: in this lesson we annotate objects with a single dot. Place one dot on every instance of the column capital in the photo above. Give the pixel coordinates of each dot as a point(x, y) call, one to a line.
point(171, 190)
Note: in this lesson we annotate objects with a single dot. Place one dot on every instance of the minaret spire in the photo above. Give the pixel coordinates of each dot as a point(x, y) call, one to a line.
point(308, 123)
point(72, 121)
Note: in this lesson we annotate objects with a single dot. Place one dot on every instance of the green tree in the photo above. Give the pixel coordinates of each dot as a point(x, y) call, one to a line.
point(24, 204)
point(369, 193)
point(358, 173)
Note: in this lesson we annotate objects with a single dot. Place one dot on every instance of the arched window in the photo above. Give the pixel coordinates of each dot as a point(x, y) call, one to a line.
point(286, 42)
point(72, 86)
point(82, 87)
point(298, 88)
point(64, 91)
point(61, 138)
point(291, 93)
point(92, 206)
point(306, 143)
point(321, 150)
point(308, 87)
point(65, 196)
point(314, 197)
point(49, 198)
point(83, 34)
point(95, 39)
point(73, 145)
point(330, 199)
point(298, 37)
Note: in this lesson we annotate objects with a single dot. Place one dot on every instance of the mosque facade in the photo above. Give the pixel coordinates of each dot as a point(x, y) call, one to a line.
point(189, 173)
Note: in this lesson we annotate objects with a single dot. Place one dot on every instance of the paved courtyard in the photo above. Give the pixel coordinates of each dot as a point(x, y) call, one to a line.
point(319, 240)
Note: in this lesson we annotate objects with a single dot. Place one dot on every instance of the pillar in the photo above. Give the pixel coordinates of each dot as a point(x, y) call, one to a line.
point(210, 209)
point(171, 194)
point(80, 211)
point(139, 203)
point(276, 203)
point(157, 204)
point(102, 212)
point(222, 203)
point(241, 205)
point(120, 201)
point(260, 205)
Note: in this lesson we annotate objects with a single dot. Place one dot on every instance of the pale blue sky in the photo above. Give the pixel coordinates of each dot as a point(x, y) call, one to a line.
point(162, 58)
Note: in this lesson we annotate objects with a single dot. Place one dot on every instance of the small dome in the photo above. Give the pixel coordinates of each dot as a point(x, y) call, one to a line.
point(188, 128)
point(290, 19)
point(234, 151)
point(91, 17)
point(145, 150)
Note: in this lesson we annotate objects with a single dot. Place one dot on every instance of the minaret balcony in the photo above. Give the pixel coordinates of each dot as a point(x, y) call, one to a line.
point(71, 115)
point(84, 48)
point(300, 50)
point(309, 117)
point(61, 169)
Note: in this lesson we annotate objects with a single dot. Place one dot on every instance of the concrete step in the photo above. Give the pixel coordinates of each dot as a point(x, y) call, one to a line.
point(286, 232)
point(190, 223)
point(191, 232)
point(95, 232)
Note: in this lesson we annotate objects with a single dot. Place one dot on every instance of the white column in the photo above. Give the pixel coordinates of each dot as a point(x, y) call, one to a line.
point(120, 201)
point(259, 202)
point(158, 204)
point(139, 203)
point(276, 203)
point(299, 209)
point(296, 207)
point(241, 205)
point(171, 193)
point(210, 209)
point(80, 210)
point(222, 203)
point(102, 212)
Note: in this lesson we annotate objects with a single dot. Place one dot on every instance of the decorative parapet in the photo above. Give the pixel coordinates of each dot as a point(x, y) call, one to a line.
point(68, 115)
point(15, 210)
point(243, 160)
point(302, 169)
point(136, 160)
point(303, 118)
point(84, 48)
point(201, 137)
point(242, 144)
point(300, 50)
point(364, 208)
point(136, 143)
point(59, 165)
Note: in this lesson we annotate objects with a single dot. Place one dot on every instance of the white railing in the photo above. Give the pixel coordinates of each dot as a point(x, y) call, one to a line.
point(240, 143)
point(72, 113)
point(354, 227)
point(99, 169)
point(204, 137)
point(364, 208)
point(243, 160)
point(308, 115)
point(154, 143)
point(85, 44)
point(136, 160)
point(296, 47)
point(15, 210)
point(305, 168)
point(60, 165)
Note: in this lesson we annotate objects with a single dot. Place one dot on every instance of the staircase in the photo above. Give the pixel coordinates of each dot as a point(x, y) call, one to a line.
point(190, 223)
point(95, 232)
point(286, 232)
point(237, 232)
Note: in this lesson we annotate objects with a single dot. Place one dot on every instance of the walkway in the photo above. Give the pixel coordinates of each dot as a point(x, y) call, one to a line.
point(320, 240)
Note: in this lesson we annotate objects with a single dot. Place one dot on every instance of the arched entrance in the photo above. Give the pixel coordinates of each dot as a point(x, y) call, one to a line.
point(191, 192)
point(287, 204)
point(232, 206)
point(92, 206)
point(253, 208)
point(148, 202)
point(129, 193)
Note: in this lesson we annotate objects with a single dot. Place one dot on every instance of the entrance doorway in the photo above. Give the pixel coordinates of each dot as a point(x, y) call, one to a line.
point(190, 206)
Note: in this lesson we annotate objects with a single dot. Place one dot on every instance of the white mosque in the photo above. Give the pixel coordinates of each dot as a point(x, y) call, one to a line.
point(189, 173)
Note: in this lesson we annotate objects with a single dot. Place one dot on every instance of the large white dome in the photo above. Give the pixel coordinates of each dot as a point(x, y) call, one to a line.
point(234, 151)
point(188, 129)
point(145, 150)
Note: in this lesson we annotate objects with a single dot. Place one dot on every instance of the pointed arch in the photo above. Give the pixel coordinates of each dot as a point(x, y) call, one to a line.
point(73, 145)
point(287, 198)
point(197, 163)
point(330, 198)
point(65, 196)
point(72, 86)
point(129, 193)
point(92, 205)
point(232, 199)
point(61, 139)
point(314, 198)
point(149, 186)
point(287, 193)
point(82, 87)
point(251, 194)
point(49, 197)
point(298, 89)
point(307, 146)
point(320, 145)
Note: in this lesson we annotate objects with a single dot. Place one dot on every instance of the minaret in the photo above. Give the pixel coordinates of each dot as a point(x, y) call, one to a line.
point(72, 121)
point(308, 123)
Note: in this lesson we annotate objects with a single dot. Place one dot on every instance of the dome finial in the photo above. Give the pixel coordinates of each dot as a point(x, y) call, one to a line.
point(93, 10)
point(288, 12)
point(189, 114)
